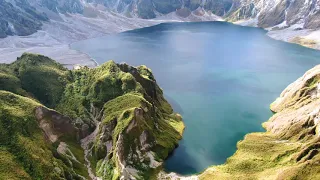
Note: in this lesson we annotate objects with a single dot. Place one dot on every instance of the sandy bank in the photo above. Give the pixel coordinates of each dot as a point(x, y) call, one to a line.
point(54, 38)
point(293, 34)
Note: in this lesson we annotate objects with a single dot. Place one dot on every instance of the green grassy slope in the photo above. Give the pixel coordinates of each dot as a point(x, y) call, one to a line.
point(24, 151)
point(44, 148)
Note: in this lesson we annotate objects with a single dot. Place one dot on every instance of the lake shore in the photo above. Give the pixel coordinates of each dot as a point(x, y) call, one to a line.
point(56, 36)
point(293, 34)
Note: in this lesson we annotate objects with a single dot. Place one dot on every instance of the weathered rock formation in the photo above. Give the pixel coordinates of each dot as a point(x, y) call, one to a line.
point(270, 13)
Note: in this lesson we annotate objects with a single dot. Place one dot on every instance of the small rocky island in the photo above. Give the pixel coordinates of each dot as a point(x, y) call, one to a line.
point(109, 122)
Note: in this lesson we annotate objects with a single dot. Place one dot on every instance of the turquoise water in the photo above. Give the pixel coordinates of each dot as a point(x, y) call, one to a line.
point(219, 76)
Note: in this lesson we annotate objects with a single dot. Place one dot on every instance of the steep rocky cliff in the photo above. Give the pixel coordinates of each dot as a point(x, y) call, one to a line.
point(284, 13)
point(110, 122)
point(295, 21)
point(19, 18)
point(153, 8)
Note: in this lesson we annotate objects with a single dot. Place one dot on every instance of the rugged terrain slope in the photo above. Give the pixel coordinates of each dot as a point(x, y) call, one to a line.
point(295, 21)
point(110, 122)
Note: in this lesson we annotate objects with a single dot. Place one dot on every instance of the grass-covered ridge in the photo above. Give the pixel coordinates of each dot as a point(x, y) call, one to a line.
point(24, 152)
point(39, 76)
point(135, 126)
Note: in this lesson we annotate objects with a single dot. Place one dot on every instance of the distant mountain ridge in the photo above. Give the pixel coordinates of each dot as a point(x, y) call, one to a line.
point(154, 8)
point(284, 13)
point(24, 17)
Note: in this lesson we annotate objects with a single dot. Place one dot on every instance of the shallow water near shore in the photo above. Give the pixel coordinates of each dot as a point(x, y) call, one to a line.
point(220, 77)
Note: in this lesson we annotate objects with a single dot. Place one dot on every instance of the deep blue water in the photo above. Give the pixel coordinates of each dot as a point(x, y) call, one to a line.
point(220, 77)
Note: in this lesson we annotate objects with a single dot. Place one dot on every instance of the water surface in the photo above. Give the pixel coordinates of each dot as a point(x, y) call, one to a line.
point(220, 77)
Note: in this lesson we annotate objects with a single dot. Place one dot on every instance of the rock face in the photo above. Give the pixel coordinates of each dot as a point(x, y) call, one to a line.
point(290, 147)
point(298, 108)
point(55, 124)
point(29, 142)
point(19, 18)
point(270, 13)
point(115, 112)
point(60, 6)
point(153, 8)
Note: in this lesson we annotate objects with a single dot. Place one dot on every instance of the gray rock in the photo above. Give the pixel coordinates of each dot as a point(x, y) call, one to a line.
point(273, 17)
point(313, 21)
point(107, 130)
point(19, 18)
point(146, 140)
point(85, 130)
point(270, 13)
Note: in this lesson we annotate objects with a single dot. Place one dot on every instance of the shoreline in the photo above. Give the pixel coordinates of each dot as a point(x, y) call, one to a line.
point(56, 36)
point(96, 64)
point(309, 38)
point(55, 42)
point(274, 34)
point(299, 37)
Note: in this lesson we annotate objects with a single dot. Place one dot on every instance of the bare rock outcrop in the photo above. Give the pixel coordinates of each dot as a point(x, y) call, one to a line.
point(54, 124)
point(298, 107)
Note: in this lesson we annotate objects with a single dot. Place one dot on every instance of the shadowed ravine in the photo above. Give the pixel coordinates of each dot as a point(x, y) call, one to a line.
point(85, 144)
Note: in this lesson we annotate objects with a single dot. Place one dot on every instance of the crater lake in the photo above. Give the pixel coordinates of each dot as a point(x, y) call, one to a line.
point(220, 77)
